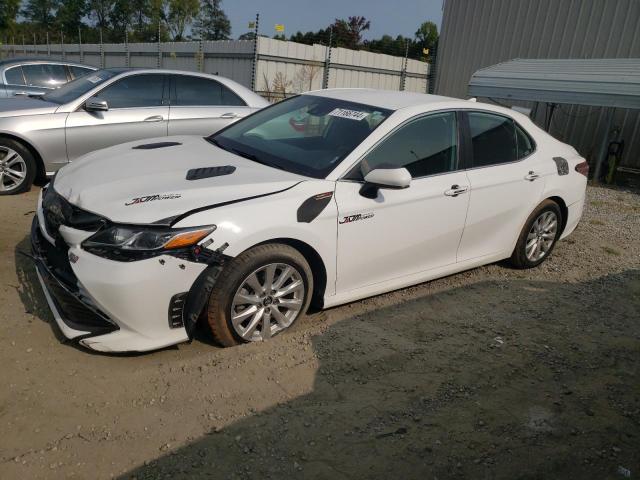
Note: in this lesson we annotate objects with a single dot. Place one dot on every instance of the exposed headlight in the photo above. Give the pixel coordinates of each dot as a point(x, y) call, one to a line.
point(144, 240)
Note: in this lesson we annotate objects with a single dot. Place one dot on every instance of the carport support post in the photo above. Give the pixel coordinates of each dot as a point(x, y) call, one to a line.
point(604, 146)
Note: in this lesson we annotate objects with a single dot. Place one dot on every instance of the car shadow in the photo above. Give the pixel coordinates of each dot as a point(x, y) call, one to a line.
point(513, 379)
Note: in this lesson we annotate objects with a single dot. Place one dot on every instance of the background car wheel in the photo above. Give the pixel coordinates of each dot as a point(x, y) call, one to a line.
point(539, 236)
point(17, 167)
point(259, 294)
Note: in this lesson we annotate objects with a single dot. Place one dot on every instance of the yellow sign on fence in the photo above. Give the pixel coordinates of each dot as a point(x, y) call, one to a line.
point(279, 27)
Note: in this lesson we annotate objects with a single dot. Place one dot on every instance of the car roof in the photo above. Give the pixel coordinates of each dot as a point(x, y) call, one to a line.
point(24, 60)
point(387, 99)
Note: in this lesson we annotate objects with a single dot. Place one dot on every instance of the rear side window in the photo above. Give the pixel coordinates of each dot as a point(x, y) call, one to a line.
point(78, 72)
point(45, 75)
point(194, 91)
point(493, 138)
point(134, 91)
point(14, 76)
point(424, 146)
point(525, 144)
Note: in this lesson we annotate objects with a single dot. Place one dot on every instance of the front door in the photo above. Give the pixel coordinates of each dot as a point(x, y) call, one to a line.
point(408, 231)
point(136, 111)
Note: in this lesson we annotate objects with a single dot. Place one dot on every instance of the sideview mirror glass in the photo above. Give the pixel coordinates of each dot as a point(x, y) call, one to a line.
point(394, 178)
point(96, 105)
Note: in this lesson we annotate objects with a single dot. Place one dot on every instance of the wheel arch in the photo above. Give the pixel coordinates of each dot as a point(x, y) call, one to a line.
point(564, 210)
point(318, 268)
point(41, 174)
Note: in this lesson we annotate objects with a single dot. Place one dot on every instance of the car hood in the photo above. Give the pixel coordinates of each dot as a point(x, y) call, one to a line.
point(142, 186)
point(12, 107)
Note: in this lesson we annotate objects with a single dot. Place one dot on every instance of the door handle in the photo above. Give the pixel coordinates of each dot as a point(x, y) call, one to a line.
point(531, 176)
point(154, 118)
point(456, 190)
point(20, 94)
point(229, 115)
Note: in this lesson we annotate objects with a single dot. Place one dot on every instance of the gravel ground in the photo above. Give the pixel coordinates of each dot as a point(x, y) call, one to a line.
point(492, 373)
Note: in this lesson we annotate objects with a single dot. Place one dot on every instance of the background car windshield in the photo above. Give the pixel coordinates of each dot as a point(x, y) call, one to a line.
point(308, 135)
point(78, 87)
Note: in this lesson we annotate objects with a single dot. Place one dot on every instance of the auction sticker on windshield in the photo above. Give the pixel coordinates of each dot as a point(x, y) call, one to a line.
point(94, 79)
point(350, 114)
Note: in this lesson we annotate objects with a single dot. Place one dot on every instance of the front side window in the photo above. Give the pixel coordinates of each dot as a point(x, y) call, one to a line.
point(309, 135)
point(14, 76)
point(44, 75)
point(190, 91)
point(134, 91)
point(493, 138)
point(425, 146)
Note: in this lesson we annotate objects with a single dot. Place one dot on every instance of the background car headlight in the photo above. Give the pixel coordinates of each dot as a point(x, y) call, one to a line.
point(125, 239)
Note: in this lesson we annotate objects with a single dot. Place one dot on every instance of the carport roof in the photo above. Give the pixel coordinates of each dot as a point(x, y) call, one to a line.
point(603, 82)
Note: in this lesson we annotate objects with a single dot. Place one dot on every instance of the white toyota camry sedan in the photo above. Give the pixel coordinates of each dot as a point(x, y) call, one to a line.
point(324, 198)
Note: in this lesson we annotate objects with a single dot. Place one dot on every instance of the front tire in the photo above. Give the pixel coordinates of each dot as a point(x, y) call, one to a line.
point(538, 237)
point(261, 293)
point(17, 167)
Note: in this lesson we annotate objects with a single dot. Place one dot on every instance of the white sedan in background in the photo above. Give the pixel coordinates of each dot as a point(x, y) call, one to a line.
point(327, 197)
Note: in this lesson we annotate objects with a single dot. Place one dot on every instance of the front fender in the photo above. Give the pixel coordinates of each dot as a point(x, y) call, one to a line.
point(243, 225)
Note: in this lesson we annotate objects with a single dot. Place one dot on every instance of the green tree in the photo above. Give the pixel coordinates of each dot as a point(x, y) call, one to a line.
point(41, 12)
point(70, 14)
point(348, 33)
point(8, 12)
point(100, 10)
point(427, 35)
point(212, 23)
point(120, 18)
point(181, 13)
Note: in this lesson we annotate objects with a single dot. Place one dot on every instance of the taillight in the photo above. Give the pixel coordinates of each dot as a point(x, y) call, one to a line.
point(583, 168)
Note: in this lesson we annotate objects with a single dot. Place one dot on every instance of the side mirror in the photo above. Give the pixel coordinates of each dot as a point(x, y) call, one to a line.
point(394, 178)
point(96, 105)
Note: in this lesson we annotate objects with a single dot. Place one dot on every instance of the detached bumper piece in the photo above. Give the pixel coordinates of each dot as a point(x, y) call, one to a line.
point(80, 317)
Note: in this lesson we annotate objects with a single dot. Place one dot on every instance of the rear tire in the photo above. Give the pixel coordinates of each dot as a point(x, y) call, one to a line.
point(18, 168)
point(261, 293)
point(538, 237)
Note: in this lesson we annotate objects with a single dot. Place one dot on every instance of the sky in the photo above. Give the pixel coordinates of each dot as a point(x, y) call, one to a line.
point(392, 17)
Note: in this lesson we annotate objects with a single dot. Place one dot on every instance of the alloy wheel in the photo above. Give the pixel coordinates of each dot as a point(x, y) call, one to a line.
point(267, 302)
point(13, 169)
point(541, 236)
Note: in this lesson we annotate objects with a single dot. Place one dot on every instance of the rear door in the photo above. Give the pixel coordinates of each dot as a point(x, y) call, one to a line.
point(202, 106)
point(138, 109)
point(506, 176)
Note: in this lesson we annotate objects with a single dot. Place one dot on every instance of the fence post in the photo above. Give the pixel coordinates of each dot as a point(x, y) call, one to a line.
point(327, 61)
point(101, 50)
point(13, 45)
point(403, 74)
point(24, 46)
point(62, 45)
point(254, 67)
point(80, 45)
point(35, 49)
point(201, 55)
point(432, 60)
point(159, 48)
point(48, 45)
point(127, 53)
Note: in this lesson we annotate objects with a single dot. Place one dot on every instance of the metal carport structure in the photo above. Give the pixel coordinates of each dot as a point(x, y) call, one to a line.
point(607, 82)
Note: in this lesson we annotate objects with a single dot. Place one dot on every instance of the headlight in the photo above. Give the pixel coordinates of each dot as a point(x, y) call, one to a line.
point(146, 241)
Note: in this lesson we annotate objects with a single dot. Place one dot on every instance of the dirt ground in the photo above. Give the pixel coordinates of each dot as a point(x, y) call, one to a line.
point(492, 373)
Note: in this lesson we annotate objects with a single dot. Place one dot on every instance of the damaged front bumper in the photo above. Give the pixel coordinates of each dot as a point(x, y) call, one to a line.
point(115, 306)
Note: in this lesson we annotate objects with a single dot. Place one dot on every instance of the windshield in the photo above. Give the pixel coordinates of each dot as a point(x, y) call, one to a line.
point(78, 87)
point(308, 134)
